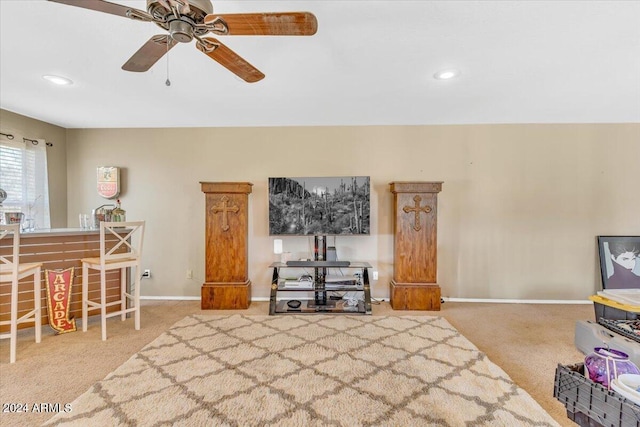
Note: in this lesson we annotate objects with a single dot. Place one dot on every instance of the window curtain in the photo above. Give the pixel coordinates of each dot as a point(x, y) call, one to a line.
point(23, 176)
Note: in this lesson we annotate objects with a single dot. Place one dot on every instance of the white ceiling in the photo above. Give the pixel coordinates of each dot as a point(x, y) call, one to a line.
point(370, 63)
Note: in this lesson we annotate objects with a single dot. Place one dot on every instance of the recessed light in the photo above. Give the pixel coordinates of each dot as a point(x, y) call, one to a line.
point(62, 81)
point(446, 74)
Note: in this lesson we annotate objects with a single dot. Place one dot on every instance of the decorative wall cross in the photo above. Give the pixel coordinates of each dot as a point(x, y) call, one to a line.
point(416, 209)
point(224, 209)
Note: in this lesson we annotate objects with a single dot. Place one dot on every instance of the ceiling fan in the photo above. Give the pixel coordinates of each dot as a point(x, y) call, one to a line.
point(186, 20)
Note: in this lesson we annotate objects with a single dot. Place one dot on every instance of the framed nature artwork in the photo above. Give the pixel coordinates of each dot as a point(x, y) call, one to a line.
point(302, 206)
point(619, 261)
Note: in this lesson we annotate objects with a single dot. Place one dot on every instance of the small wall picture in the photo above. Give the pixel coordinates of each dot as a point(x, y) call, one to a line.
point(619, 261)
point(108, 181)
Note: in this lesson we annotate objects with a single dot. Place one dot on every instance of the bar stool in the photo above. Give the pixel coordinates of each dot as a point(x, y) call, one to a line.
point(120, 249)
point(11, 271)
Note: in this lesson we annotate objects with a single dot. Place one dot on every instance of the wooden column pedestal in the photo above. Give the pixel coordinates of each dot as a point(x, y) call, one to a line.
point(227, 285)
point(414, 284)
point(415, 296)
point(226, 295)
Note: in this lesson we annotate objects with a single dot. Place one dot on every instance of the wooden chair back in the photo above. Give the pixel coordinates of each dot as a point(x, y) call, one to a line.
point(9, 263)
point(121, 241)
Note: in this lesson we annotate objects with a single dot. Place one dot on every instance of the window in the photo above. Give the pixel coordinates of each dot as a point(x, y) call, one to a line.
point(23, 176)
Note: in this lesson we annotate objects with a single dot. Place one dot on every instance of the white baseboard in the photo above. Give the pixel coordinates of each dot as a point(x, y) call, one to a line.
point(519, 301)
point(476, 300)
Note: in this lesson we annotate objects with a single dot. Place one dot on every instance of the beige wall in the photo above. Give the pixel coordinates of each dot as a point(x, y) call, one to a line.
point(519, 213)
point(56, 158)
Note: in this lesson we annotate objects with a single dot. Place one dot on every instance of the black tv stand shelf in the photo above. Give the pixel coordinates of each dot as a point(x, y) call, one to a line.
point(314, 299)
point(320, 264)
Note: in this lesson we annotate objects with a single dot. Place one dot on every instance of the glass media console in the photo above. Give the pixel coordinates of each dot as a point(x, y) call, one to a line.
point(314, 287)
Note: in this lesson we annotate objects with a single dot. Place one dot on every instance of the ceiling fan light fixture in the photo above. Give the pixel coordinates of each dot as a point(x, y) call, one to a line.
point(58, 80)
point(446, 74)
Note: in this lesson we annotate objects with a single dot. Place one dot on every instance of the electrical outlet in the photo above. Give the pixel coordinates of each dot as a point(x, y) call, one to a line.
point(375, 275)
point(189, 274)
point(146, 274)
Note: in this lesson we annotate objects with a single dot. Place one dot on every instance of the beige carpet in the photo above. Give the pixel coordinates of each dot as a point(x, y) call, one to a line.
point(307, 370)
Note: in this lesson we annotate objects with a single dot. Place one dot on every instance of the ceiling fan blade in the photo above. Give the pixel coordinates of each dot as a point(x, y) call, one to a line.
point(264, 24)
point(149, 53)
point(229, 59)
point(107, 7)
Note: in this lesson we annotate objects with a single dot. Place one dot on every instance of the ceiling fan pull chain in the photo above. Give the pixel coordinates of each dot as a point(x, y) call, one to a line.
point(168, 82)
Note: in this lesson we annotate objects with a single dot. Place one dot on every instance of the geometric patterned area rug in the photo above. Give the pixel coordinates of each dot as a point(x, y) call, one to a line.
point(307, 370)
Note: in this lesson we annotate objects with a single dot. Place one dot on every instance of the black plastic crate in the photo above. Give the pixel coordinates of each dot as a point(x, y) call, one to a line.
point(590, 404)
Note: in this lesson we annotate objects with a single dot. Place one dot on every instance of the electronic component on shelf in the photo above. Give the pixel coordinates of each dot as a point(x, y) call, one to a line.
point(303, 282)
point(328, 305)
point(342, 280)
point(337, 282)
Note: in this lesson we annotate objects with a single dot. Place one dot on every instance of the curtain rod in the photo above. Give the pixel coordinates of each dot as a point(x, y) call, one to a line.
point(33, 141)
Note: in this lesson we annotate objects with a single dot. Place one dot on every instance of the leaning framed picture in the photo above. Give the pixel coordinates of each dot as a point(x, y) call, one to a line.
point(619, 261)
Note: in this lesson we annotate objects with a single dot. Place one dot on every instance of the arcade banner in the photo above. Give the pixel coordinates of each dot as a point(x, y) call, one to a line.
point(59, 284)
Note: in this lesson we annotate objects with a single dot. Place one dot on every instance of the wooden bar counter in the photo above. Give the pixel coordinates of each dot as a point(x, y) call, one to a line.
point(57, 249)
